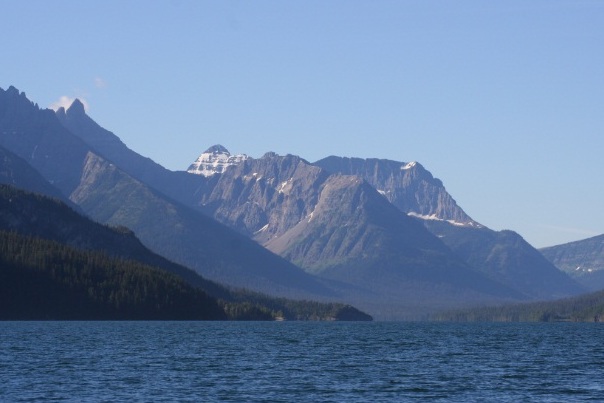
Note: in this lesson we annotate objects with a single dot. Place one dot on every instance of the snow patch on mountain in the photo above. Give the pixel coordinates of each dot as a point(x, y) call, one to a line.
point(311, 215)
point(434, 217)
point(264, 228)
point(214, 161)
point(284, 188)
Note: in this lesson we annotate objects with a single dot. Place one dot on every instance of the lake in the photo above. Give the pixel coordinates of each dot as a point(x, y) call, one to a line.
point(301, 361)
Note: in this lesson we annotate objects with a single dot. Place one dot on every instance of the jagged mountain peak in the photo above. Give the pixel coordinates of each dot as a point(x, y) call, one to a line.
point(12, 91)
point(272, 157)
point(77, 107)
point(214, 161)
point(270, 154)
point(17, 99)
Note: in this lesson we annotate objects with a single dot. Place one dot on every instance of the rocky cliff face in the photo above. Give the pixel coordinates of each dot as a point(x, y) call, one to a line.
point(265, 197)
point(408, 186)
point(351, 225)
point(338, 227)
point(343, 218)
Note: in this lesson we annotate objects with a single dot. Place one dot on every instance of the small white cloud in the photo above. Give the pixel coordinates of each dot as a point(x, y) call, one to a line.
point(65, 102)
point(100, 83)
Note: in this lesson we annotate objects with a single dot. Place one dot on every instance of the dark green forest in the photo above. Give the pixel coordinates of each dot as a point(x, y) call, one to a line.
point(41, 279)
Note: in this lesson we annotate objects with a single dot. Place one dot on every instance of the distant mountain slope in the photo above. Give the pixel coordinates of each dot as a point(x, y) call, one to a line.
point(178, 185)
point(16, 172)
point(502, 256)
point(506, 257)
point(583, 260)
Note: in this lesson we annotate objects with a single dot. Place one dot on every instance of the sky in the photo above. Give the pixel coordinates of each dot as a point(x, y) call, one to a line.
point(503, 101)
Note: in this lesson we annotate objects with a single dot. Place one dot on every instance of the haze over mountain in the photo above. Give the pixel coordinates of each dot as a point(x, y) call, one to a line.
point(349, 230)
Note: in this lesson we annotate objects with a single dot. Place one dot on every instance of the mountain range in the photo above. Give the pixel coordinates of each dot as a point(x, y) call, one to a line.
point(382, 235)
point(298, 210)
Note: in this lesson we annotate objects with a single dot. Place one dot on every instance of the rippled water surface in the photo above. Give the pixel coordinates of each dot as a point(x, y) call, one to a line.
point(293, 362)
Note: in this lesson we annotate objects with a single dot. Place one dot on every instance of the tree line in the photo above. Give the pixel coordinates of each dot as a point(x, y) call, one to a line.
point(583, 308)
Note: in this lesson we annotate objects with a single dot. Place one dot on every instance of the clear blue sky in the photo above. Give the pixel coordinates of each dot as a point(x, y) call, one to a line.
point(502, 100)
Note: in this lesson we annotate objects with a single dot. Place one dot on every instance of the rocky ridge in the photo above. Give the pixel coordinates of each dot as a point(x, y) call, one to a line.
point(407, 185)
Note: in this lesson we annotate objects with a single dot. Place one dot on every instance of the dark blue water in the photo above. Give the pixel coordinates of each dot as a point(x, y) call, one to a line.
point(293, 362)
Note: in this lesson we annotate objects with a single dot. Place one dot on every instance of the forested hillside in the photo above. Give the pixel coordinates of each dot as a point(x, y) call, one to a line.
point(41, 279)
